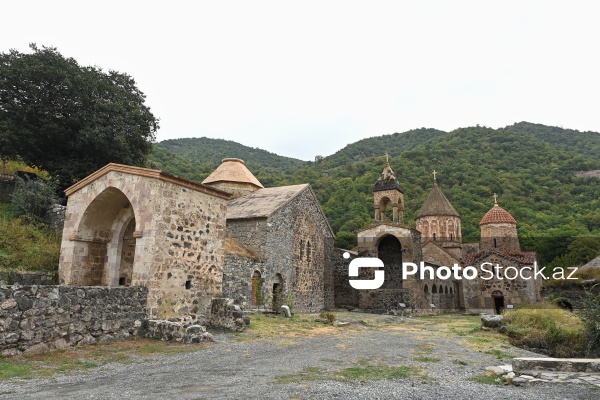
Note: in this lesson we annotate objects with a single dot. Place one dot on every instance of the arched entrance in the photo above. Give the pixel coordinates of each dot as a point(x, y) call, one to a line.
point(256, 289)
point(277, 292)
point(498, 301)
point(106, 239)
point(390, 252)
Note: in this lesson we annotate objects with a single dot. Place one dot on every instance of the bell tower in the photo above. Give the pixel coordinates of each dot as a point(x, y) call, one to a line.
point(387, 194)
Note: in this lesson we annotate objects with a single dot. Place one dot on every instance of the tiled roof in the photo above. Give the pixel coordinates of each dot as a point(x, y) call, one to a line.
point(521, 257)
point(437, 204)
point(262, 203)
point(497, 215)
point(232, 170)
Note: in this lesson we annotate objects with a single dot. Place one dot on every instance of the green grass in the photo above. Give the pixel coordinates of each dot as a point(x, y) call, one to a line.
point(361, 373)
point(26, 245)
point(561, 331)
point(460, 362)
point(78, 359)
point(499, 354)
point(427, 359)
point(489, 380)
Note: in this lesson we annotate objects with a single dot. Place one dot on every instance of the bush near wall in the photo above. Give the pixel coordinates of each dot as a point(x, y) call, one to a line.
point(26, 245)
point(547, 329)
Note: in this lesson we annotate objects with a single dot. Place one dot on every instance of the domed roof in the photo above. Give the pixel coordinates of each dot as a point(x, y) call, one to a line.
point(437, 204)
point(387, 180)
point(497, 215)
point(232, 170)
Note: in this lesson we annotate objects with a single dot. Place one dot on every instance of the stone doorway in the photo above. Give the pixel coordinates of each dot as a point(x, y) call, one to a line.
point(277, 292)
point(498, 301)
point(256, 289)
point(390, 252)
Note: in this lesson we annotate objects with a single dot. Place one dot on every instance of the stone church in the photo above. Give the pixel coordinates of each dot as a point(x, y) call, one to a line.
point(437, 241)
point(189, 242)
point(229, 236)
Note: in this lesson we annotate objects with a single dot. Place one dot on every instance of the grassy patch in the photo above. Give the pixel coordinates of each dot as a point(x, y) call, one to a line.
point(76, 359)
point(362, 373)
point(460, 362)
point(427, 359)
point(562, 332)
point(499, 354)
point(489, 380)
point(26, 245)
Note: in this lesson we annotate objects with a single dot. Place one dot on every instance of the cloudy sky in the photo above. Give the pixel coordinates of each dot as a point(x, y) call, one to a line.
point(308, 77)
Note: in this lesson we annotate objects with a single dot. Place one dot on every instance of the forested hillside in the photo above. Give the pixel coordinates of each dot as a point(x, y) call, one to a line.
point(530, 166)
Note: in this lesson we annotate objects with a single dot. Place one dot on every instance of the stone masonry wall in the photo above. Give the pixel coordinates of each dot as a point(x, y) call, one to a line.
point(178, 235)
point(306, 270)
point(252, 233)
point(237, 279)
point(6, 189)
point(37, 318)
point(28, 277)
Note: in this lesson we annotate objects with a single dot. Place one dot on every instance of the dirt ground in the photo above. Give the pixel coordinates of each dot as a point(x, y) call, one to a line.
point(374, 357)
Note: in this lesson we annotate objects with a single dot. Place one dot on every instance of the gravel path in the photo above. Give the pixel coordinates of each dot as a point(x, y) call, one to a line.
point(238, 370)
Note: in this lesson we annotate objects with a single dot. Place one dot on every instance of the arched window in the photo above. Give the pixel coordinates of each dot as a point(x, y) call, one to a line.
point(308, 251)
point(441, 289)
point(301, 249)
point(446, 290)
point(495, 243)
point(425, 289)
point(434, 289)
point(434, 238)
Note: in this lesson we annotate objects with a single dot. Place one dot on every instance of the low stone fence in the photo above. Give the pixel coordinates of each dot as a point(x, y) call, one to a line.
point(37, 318)
point(224, 314)
point(174, 330)
point(8, 277)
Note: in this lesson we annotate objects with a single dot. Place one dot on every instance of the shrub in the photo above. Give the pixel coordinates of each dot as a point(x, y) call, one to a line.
point(327, 316)
point(590, 315)
point(548, 326)
point(32, 197)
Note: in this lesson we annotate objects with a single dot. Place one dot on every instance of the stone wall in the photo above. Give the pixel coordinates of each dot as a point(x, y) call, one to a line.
point(28, 277)
point(237, 279)
point(294, 246)
point(56, 217)
point(6, 189)
point(569, 295)
point(37, 318)
point(226, 315)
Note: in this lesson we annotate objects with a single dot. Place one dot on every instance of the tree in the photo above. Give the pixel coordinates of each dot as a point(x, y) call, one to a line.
point(69, 119)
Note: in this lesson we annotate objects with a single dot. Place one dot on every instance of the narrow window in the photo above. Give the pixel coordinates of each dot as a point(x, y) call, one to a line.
point(188, 285)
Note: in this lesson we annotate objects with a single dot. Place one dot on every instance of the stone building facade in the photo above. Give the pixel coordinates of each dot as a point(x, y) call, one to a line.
point(437, 242)
point(128, 226)
point(279, 244)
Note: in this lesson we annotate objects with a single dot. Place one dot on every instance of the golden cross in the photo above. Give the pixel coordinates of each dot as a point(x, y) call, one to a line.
point(434, 179)
point(495, 198)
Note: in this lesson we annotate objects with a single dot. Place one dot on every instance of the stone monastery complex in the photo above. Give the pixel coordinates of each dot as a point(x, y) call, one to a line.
point(229, 237)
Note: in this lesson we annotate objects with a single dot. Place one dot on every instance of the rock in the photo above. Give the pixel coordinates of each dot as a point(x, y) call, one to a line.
point(195, 329)
point(338, 323)
point(491, 321)
point(519, 381)
point(207, 336)
point(36, 349)
point(285, 311)
point(510, 375)
point(494, 370)
point(503, 329)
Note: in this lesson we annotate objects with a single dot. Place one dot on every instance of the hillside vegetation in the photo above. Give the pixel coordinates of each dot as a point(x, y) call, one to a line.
point(530, 166)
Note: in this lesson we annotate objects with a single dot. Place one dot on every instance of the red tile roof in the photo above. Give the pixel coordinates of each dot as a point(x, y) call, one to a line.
point(497, 215)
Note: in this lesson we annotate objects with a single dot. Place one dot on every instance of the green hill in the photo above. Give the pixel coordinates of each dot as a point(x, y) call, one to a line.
point(530, 166)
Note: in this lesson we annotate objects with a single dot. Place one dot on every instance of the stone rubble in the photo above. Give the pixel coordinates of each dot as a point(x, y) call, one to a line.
point(518, 379)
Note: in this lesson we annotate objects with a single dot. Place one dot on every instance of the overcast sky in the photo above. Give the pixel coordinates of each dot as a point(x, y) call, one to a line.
point(308, 77)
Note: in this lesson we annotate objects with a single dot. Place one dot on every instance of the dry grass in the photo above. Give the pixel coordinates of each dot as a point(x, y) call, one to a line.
point(60, 362)
point(562, 332)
